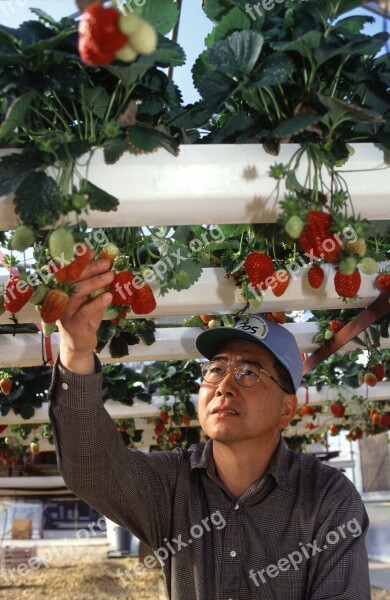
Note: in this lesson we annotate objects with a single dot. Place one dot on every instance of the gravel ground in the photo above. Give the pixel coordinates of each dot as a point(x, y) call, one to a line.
point(85, 573)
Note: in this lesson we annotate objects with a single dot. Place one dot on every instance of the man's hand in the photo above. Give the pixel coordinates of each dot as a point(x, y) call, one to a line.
point(80, 322)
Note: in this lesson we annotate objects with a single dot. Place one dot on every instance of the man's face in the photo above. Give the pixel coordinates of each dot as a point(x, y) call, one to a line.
point(260, 411)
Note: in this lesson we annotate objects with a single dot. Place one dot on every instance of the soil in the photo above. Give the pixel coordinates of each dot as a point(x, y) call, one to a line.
point(86, 573)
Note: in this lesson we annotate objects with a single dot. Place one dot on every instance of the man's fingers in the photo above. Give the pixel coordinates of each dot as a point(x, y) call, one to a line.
point(87, 286)
point(94, 267)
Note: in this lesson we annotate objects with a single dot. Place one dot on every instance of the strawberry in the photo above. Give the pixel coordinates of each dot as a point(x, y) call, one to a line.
point(16, 294)
point(72, 272)
point(144, 39)
point(186, 420)
point(318, 237)
point(144, 301)
point(164, 416)
point(206, 318)
point(347, 286)
point(109, 252)
point(23, 237)
point(379, 371)
point(61, 245)
point(383, 282)
point(337, 409)
point(280, 285)
point(368, 265)
point(214, 323)
point(99, 34)
point(159, 428)
point(370, 379)
point(119, 317)
point(336, 326)
point(315, 276)
point(259, 267)
point(355, 434)
point(359, 247)
point(309, 425)
point(360, 377)
point(54, 305)
point(279, 317)
point(294, 227)
point(34, 447)
point(333, 429)
point(6, 385)
point(39, 294)
point(129, 23)
point(347, 265)
point(122, 288)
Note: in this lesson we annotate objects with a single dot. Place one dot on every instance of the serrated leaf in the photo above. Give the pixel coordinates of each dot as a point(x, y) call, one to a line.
point(237, 54)
point(144, 397)
point(99, 199)
point(233, 230)
point(16, 113)
point(199, 69)
point(163, 15)
point(276, 68)
point(185, 275)
point(234, 20)
point(232, 261)
point(168, 53)
point(113, 151)
point(342, 111)
point(215, 9)
point(118, 348)
point(147, 336)
point(144, 140)
point(43, 16)
point(97, 100)
point(14, 168)
point(294, 125)
point(303, 45)
point(216, 88)
point(37, 200)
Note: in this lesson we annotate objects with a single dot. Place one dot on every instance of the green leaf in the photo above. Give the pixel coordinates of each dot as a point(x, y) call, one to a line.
point(353, 24)
point(14, 168)
point(238, 54)
point(303, 45)
point(118, 348)
point(216, 88)
point(43, 16)
point(199, 69)
point(168, 53)
point(144, 140)
point(97, 100)
point(37, 200)
point(339, 111)
point(27, 411)
point(215, 9)
point(163, 15)
point(233, 230)
point(276, 68)
point(185, 275)
point(235, 20)
point(294, 125)
point(98, 199)
point(113, 150)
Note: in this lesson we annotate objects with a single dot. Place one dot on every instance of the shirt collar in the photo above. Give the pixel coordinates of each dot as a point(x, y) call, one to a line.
point(201, 457)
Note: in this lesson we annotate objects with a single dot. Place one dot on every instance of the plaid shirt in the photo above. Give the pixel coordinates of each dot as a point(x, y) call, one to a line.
point(295, 534)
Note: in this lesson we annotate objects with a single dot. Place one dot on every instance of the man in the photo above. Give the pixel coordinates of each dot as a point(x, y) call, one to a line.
point(239, 517)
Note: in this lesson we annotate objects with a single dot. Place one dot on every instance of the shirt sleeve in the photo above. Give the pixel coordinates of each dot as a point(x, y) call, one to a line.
point(130, 487)
point(338, 556)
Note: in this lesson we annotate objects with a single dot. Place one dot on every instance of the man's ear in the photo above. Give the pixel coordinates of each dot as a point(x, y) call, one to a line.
point(289, 410)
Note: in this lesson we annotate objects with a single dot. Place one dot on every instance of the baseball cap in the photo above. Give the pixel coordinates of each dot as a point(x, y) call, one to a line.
point(258, 330)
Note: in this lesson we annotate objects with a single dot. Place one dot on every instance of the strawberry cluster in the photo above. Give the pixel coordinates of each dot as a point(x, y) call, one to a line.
point(105, 34)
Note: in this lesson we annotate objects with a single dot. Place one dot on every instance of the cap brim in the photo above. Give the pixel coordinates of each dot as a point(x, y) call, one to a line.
point(208, 342)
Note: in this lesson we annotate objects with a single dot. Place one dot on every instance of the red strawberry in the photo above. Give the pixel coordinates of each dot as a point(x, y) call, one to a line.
point(337, 409)
point(315, 276)
point(110, 252)
point(336, 326)
point(121, 315)
point(16, 294)
point(318, 237)
point(309, 425)
point(206, 318)
point(333, 429)
point(54, 305)
point(122, 288)
point(370, 379)
point(159, 428)
point(379, 371)
point(164, 416)
point(347, 286)
point(144, 301)
point(383, 282)
point(186, 420)
point(259, 267)
point(355, 434)
point(6, 385)
point(282, 280)
point(99, 34)
point(72, 272)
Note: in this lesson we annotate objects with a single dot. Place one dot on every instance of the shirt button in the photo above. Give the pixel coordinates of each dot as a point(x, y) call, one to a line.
point(64, 386)
point(237, 506)
point(233, 553)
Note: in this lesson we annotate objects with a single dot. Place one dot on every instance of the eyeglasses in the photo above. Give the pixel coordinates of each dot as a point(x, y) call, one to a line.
point(245, 373)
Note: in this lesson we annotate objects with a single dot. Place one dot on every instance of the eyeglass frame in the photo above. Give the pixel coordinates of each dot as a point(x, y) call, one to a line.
point(234, 373)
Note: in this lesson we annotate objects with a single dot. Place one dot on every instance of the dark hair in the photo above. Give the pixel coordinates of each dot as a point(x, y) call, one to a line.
point(284, 377)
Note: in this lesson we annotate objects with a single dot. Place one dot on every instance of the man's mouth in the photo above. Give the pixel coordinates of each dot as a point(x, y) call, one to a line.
point(224, 411)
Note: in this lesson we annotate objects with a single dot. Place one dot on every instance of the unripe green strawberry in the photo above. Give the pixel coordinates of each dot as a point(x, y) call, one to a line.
point(294, 227)
point(111, 313)
point(128, 24)
point(368, 265)
point(39, 294)
point(359, 247)
point(127, 54)
point(347, 265)
point(144, 39)
point(328, 335)
point(214, 323)
point(22, 238)
point(79, 201)
point(61, 244)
